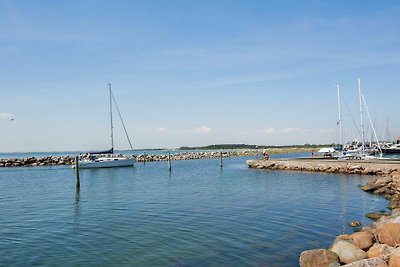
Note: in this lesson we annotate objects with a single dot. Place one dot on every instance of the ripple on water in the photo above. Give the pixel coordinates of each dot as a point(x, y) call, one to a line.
point(197, 215)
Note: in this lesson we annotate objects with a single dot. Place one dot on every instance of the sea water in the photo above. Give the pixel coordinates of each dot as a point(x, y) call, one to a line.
point(196, 215)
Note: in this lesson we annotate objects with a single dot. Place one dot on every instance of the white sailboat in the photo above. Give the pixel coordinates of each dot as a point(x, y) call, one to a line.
point(354, 151)
point(106, 159)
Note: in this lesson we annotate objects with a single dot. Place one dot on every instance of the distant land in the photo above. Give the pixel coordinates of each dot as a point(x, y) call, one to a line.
point(305, 147)
point(244, 146)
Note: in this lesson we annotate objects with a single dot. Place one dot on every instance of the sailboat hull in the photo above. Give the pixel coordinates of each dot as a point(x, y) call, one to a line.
point(391, 150)
point(106, 163)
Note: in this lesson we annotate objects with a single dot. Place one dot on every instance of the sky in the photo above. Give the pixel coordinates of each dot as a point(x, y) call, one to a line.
point(193, 73)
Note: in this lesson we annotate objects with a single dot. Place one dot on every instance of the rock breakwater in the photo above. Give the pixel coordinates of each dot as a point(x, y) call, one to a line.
point(196, 155)
point(68, 160)
point(370, 167)
point(37, 161)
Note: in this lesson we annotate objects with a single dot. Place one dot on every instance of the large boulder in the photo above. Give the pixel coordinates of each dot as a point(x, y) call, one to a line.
point(347, 251)
point(389, 233)
point(319, 258)
point(395, 258)
point(373, 262)
point(363, 240)
point(381, 251)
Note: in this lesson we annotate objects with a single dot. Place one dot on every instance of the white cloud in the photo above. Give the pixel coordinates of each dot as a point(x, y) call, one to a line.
point(202, 130)
point(161, 129)
point(267, 131)
point(6, 116)
point(293, 130)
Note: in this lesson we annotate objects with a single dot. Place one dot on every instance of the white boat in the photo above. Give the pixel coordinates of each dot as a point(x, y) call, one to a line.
point(326, 152)
point(359, 149)
point(106, 162)
point(393, 149)
point(107, 159)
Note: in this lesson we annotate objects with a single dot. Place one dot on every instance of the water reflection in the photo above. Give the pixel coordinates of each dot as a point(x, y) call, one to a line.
point(77, 206)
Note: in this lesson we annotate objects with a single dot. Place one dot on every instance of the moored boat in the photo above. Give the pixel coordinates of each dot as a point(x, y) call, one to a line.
point(393, 149)
point(106, 162)
point(106, 159)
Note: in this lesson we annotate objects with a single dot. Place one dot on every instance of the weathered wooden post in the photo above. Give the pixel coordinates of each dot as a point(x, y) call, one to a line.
point(144, 158)
point(220, 156)
point(169, 162)
point(78, 183)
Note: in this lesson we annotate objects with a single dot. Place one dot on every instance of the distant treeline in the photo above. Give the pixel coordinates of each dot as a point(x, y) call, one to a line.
point(244, 146)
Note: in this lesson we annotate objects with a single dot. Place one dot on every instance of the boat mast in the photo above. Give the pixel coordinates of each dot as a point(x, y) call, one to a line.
point(122, 122)
point(361, 115)
point(372, 125)
point(340, 116)
point(111, 119)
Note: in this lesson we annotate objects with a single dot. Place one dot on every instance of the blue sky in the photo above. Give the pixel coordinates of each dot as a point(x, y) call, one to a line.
point(194, 72)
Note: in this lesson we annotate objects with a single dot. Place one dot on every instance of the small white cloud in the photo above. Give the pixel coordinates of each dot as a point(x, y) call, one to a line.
point(6, 116)
point(293, 130)
point(202, 130)
point(267, 131)
point(161, 129)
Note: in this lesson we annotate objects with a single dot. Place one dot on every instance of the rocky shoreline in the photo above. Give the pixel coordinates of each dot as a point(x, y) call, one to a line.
point(375, 245)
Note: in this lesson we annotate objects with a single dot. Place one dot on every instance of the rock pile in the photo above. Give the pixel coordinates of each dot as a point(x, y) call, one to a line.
point(33, 161)
point(68, 160)
point(375, 245)
point(328, 166)
point(388, 186)
point(196, 155)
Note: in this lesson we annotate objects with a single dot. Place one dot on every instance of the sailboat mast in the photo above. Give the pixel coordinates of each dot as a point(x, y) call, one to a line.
point(361, 115)
point(111, 119)
point(372, 126)
point(340, 115)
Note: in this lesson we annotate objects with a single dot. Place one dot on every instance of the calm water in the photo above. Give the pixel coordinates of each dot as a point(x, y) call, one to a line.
point(199, 215)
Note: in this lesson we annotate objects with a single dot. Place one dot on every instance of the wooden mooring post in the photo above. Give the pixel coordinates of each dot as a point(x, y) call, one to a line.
point(169, 162)
point(220, 157)
point(78, 182)
point(144, 158)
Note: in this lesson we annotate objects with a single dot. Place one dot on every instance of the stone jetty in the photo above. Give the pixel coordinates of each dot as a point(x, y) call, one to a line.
point(196, 155)
point(68, 160)
point(370, 167)
point(37, 161)
point(375, 245)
